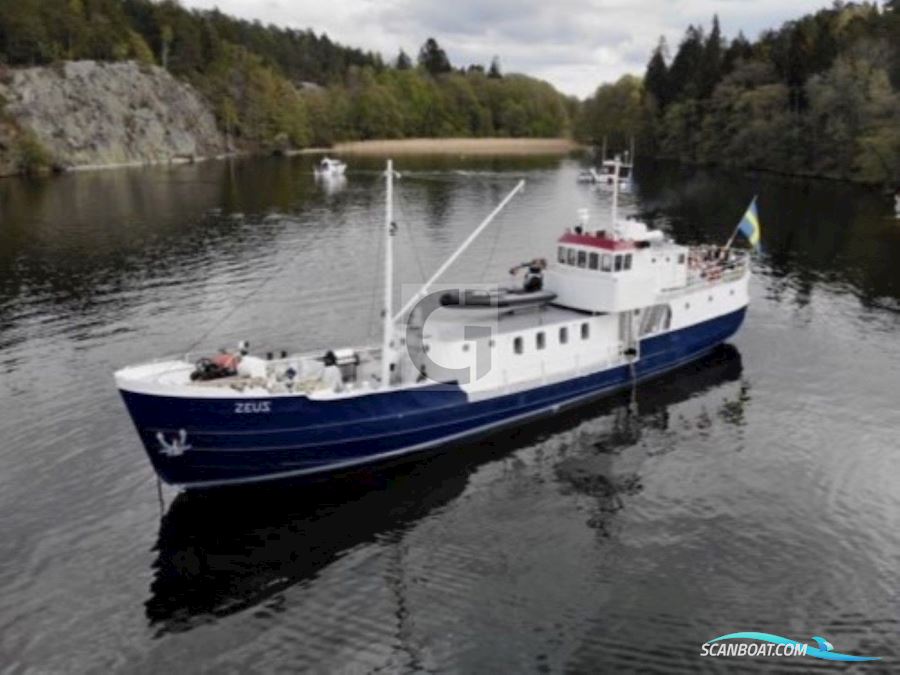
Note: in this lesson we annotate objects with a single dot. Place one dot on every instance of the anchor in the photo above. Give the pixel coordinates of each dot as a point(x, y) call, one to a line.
point(174, 448)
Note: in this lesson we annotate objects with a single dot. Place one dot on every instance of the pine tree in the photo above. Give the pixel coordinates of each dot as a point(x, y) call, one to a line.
point(494, 72)
point(685, 72)
point(434, 59)
point(656, 79)
point(403, 61)
point(711, 70)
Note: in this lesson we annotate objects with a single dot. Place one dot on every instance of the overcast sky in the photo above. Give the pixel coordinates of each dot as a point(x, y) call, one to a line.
point(575, 44)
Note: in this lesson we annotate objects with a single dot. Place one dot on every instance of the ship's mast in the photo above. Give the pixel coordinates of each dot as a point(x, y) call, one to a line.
point(615, 199)
point(388, 312)
point(423, 290)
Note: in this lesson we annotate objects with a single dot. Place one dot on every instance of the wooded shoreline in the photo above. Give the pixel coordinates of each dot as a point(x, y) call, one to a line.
point(461, 146)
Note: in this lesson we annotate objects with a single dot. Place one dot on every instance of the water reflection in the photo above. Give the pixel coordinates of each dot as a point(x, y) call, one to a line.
point(331, 184)
point(814, 232)
point(221, 552)
point(606, 474)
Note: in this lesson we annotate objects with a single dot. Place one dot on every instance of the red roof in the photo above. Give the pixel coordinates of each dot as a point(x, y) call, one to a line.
point(595, 241)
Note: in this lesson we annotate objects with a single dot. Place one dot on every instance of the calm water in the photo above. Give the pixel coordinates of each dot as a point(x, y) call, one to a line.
point(756, 490)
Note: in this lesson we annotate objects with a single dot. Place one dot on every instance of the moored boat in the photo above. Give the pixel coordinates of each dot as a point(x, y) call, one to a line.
point(330, 168)
point(613, 306)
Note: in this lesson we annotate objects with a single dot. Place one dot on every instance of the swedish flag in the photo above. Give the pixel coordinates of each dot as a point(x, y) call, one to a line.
point(749, 225)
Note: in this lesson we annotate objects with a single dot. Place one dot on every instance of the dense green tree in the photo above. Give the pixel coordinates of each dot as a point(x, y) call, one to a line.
point(276, 88)
point(817, 96)
point(615, 112)
point(738, 51)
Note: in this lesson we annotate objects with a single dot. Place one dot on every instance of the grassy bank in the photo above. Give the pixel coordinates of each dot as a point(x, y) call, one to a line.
point(459, 146)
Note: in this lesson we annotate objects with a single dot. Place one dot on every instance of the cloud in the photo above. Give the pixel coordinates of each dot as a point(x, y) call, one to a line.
point(575, 44)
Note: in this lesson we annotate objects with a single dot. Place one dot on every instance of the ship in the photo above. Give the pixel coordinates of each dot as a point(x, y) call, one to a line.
point(609, 308)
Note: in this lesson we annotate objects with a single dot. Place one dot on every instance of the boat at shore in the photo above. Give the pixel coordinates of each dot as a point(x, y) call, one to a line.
point(612, 307)
point(613, 173)
point(330, 168)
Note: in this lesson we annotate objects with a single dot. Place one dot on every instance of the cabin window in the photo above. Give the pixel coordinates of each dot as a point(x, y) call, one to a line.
point(582, 259)
point(681, 259)
point(518, 347)
point(563, 335)
point(562, 254)
point(593, 261)
point(585, 331)
point(539, 340)
point(571, 256)
point(627, 264)
point(465, 346)
point(618, 263)
point(606, 262)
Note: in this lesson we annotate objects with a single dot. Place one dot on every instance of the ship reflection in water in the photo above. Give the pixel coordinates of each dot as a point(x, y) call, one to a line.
point(221, 552)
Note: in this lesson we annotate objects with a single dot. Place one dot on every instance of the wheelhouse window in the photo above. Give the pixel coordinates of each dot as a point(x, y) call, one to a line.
point(593, 261)
point(563, 335)
point(562, 254)
point(618, 266)
point(582, 258)
point(606, 262)
point(571, 255)
point(518, 346)
point(585, 331)
point(681, 258)
point(539, 340)
point(627, 263)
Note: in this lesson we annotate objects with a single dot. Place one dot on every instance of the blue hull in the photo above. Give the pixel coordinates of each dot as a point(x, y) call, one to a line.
point(299, 436)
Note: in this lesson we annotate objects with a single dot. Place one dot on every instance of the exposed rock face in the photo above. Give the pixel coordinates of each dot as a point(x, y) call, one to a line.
point(91, 113)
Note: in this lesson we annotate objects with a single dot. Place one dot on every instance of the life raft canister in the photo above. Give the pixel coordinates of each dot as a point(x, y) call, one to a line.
point(227, 362)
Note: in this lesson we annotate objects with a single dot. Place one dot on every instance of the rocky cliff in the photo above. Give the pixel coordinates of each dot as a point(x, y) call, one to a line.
point(86, 113)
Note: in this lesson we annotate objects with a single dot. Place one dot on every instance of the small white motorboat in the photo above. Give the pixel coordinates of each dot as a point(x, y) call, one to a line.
point(330, 168)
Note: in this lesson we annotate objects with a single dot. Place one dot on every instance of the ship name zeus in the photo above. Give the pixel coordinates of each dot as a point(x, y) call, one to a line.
point(609, 308)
